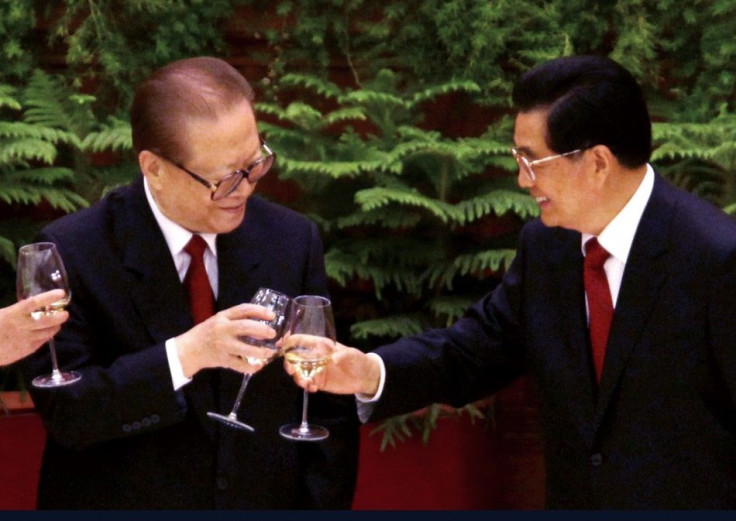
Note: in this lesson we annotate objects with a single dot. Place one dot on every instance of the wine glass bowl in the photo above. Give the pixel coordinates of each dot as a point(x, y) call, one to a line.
point(309, 354)
point(308, 345)
point(41, 269)
point(259, 351)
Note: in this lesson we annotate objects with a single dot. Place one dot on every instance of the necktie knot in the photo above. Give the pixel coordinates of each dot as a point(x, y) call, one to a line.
point(195, 247)
point(595, 254)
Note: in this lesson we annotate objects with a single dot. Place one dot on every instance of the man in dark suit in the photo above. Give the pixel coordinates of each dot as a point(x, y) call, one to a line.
point(648, 419)
point(134, 432)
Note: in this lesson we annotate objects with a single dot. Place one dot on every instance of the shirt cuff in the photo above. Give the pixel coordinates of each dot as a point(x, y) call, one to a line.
point(365, 403)
point(177, 373)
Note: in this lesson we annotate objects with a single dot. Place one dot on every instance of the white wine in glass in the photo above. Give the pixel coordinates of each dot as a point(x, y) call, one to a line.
point(308, 345)
point(260, 351)
point(41, 269)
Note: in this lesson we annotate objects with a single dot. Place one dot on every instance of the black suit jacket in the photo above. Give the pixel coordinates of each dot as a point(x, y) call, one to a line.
point(660, 430)
point(122, 438)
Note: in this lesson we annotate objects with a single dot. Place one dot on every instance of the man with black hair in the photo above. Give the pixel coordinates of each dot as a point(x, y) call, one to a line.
point(620, 305)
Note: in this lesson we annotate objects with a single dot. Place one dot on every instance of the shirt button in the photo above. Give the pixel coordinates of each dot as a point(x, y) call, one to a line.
point(596, 459)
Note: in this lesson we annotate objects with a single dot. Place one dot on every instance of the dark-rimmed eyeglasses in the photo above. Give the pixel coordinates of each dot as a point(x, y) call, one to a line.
point(228, 184)
point(526, 166)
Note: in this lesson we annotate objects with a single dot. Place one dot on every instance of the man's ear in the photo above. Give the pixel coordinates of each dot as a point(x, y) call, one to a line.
point(603, 159)
point(151, 166)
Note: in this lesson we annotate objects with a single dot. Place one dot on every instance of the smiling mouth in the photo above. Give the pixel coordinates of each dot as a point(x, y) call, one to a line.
point(541, 200)
point(233, 208)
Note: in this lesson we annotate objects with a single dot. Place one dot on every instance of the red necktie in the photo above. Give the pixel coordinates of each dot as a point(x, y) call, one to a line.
point(600, 304)
point(201, 298)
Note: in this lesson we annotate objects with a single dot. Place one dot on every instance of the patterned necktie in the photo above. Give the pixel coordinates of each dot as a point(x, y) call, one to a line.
point(201, 298)
point(600, 304)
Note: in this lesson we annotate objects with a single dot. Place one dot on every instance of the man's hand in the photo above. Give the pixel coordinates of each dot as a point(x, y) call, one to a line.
point(217, 341)
point(350, 371)
point(21, 334)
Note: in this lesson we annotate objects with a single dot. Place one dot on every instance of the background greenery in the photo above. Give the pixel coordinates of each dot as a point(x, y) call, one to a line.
point(391, 120)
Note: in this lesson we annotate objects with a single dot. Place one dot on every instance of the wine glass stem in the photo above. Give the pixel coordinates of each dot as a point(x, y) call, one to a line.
point(241, 392)
point(55, 373)
point(304, 426)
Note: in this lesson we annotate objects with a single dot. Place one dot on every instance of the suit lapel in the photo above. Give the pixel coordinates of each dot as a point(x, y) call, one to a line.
point(159, 295)
point(644, 274)
point(238, 256)
point(569, 261)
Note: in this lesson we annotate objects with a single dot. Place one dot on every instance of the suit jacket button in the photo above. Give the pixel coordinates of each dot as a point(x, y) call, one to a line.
point(596, 459)
point(126, 428)
point(221, 483)
point(136, 425)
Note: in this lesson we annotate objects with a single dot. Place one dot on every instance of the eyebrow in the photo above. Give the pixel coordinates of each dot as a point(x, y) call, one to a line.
point(526, 151)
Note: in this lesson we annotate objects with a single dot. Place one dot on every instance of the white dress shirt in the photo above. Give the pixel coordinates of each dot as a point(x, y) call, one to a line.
point(616, 238)
point(177, 238)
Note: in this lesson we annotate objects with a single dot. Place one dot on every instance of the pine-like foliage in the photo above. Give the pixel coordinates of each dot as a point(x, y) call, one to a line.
point(38, 124)
point(390, 118)
point(396, 200)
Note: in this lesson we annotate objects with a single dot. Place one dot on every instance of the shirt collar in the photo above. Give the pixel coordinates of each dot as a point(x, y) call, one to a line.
point(176, 236)
point(618, 235)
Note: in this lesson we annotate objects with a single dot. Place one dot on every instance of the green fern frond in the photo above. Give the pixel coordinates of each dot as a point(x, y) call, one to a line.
point(435, 91)
point(342, 267)
point(47, 176)
point(374, 198)
point(11, 151)
point(324, 88)
point(304, 115)
point(7, 97)
point(114, 136)
point(497, 202)
point(452, 307)
point(20, 129)
point(368, 97)
point(345, 114)
point(476, 264)
point(392, 327)
point(8, 251)
point(50, 103)
point(335, 169)
point(58, 198)
point(386, 217)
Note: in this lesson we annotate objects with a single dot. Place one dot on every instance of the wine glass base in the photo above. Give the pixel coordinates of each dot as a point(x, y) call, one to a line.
point(304, 433)
point(227, 420)
point(57, 380)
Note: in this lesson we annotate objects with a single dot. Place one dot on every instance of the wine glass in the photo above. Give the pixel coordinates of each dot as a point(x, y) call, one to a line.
point(308, 345)
point(260, 351)
point(41, 269)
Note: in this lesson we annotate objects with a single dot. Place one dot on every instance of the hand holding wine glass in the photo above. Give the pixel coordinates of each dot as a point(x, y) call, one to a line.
point(41, 269)
point(20, 334)
point(308, 345)
point(259, 351)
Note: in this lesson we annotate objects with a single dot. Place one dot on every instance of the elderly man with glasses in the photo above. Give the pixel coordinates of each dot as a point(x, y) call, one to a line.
point(155, 357)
